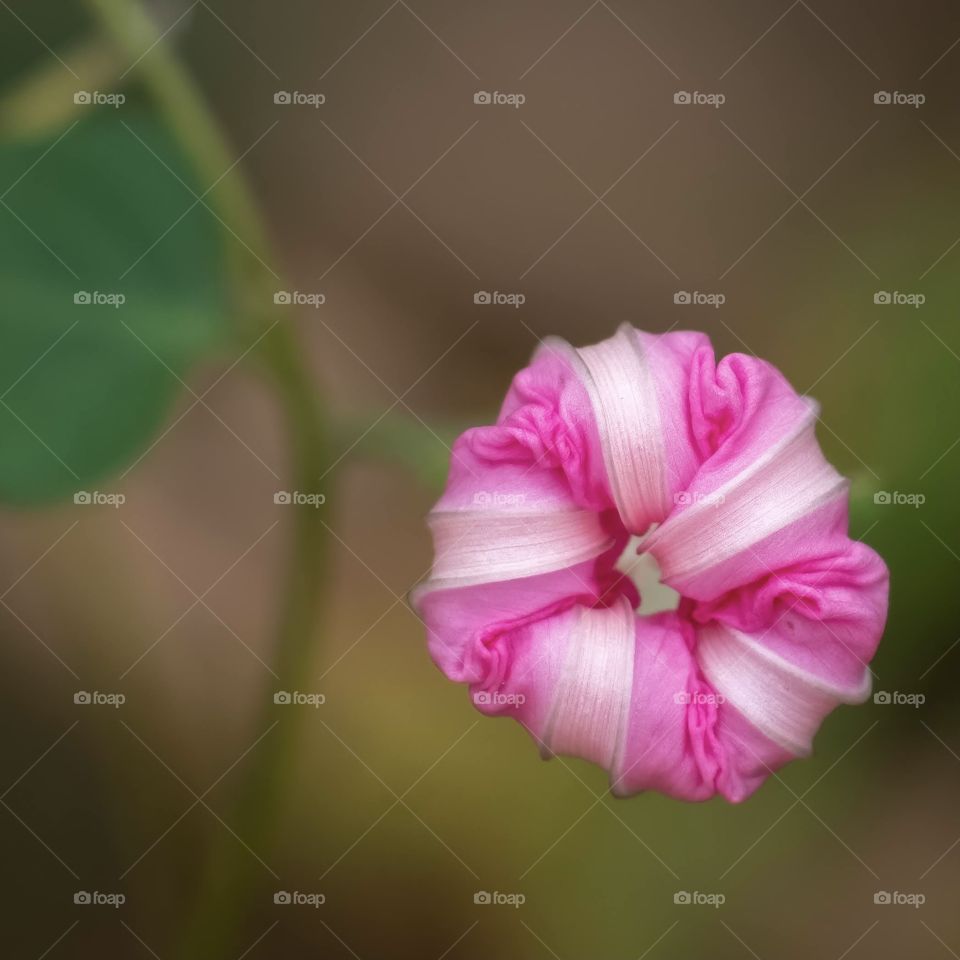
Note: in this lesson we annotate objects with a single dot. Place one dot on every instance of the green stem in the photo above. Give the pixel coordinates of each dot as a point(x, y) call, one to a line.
point(231, 873)
point(41, 101)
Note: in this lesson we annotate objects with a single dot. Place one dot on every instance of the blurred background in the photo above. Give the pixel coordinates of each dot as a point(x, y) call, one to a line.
point(241, 248)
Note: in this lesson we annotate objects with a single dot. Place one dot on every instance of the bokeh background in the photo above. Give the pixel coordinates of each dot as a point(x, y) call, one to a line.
point(798, 201)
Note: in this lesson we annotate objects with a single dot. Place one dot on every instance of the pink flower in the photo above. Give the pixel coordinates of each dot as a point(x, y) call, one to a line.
point(718, 467)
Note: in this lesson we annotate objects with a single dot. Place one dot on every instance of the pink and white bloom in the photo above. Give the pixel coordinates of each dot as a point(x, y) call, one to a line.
point(717, 466)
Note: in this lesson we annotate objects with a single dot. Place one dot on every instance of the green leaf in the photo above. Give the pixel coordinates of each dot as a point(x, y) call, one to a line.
point(103, 215)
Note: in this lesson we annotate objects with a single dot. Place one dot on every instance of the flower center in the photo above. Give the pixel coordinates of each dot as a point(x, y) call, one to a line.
point(642, 569)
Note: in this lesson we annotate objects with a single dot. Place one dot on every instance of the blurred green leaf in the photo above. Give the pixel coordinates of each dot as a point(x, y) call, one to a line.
point(25, 22)
point(101, 214)
point(424, 450)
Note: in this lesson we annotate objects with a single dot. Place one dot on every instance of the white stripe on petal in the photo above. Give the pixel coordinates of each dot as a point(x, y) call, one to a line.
point(787, 482)
point(483, 546)
point(619, 382)
point(590, 711)
point(781, 700)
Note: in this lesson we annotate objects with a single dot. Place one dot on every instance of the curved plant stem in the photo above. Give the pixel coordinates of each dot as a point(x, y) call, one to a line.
point(230, 873)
